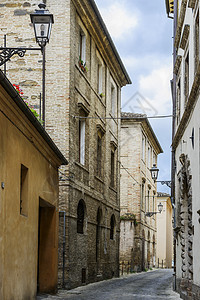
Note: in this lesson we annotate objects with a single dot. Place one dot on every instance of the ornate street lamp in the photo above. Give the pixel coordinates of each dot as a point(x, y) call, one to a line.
point(42, 22)
point(154, 175)
point(154, 172)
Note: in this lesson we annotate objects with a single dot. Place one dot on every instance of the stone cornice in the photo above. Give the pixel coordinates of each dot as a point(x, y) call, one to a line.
point(185, 36)
point(188, 109)
point(180, 23)
point(90, 16)
point(177, 64)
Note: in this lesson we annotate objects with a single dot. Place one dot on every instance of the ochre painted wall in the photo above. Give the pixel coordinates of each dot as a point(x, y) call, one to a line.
point(20, 143)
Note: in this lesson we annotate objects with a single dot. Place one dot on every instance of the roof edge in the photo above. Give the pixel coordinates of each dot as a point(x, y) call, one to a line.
point(7, 85)
point(96, 10)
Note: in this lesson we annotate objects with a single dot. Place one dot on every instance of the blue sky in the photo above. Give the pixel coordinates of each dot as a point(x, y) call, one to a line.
point(142, 34)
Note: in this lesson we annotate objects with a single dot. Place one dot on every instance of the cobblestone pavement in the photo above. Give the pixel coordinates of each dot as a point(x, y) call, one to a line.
point(156, 284)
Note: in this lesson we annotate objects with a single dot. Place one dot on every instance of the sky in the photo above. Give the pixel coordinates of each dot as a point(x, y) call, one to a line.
point(142, 34)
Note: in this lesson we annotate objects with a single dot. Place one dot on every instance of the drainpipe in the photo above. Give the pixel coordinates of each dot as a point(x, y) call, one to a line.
point(64, 243)
point(173, 166)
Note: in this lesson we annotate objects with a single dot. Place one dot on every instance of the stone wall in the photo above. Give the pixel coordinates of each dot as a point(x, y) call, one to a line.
point(69, 91)
point(140, 244)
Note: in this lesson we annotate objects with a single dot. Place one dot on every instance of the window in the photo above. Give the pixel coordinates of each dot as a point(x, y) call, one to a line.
point(100, 79)
point(82, 141)
point(82, 46)
point(112, 165)
point(80, 217)
point(143, 148)
point(113, 100)
point(154, 158)
point(149, 157)
point(112, 227)
point(24, 191)
point(178, 102)
point(186, 77)
point(142, 196)
point(99, 153)
point(196, 42)
point(153, 204)
point(148, 200)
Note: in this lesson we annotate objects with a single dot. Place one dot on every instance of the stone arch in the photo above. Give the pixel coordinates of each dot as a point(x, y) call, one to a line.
point(186, 226)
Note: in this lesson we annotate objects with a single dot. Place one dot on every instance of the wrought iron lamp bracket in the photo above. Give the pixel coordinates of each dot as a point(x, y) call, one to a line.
point(7, 53)
point(168, 183)
point(150, 214)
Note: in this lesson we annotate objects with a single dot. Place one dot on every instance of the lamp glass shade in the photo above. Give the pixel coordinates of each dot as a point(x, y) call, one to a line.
point(160, 207)
point(42, 22)
point(154, 172)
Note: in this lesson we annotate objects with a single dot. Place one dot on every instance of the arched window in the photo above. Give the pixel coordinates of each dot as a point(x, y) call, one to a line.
point(112, 227)
point(80, 216)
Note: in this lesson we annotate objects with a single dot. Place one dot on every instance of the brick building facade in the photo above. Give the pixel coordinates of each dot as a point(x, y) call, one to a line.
point(139, 150)
point(84, 76)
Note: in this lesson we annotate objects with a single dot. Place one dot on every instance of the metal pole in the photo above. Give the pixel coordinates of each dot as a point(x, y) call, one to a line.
point(40, 109)
point(43, 86)
point(5, 46)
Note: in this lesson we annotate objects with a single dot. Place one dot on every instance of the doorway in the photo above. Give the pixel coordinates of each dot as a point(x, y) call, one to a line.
point(47, 248)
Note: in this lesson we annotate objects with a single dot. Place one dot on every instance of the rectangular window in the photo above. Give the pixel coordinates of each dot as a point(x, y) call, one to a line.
point(24, 191)
point(148, 200)
point(186, 77)
point(113, 100)
point(143, 148)
point(82, 46)
point(153, 205)
point(142, 196)
point(99, 154)
point(82, 141)
point(100, 79)
point(112, 177)
point(178, 102)
point(196, 42)
point(149, 157)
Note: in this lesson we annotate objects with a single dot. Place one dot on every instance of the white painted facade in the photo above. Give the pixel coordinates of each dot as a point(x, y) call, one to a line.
point(186, 146)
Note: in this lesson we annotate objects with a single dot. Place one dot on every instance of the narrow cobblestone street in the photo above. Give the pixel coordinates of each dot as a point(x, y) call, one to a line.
point(156, 284)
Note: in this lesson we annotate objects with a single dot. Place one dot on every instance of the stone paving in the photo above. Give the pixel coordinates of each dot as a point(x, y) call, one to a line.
point(156, 284)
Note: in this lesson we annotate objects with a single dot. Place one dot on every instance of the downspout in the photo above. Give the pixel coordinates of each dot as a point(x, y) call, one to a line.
point(173, 165)
point(64, 243)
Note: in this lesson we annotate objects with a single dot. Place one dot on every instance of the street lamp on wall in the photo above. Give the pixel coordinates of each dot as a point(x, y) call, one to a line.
point(154, 175)
point(151, 213)
point(42, 22)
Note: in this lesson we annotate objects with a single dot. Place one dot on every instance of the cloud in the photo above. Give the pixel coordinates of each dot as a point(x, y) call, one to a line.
point(119, 20)
point(156, 88)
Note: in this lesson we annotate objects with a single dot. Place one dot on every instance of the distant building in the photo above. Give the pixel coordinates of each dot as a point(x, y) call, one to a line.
point(164, 232)
point(84, 77)
point(29, 162)
point(186, 146)
point(139, 150)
